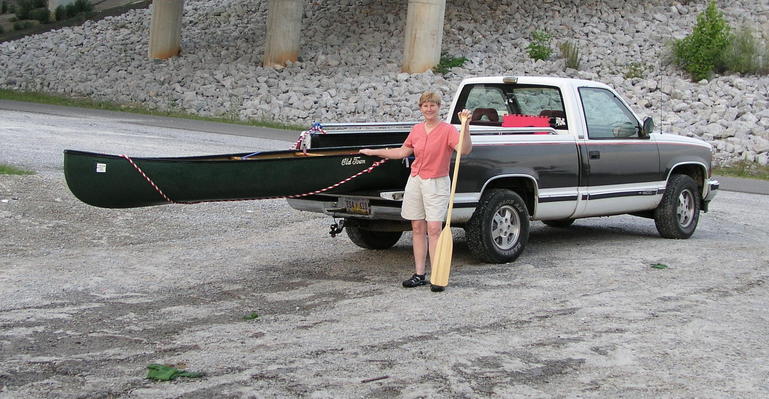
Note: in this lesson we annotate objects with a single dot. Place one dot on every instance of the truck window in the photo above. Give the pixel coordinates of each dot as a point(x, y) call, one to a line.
point(606, 116)
point(534, 100)
point(488, 104)
point(491, 103)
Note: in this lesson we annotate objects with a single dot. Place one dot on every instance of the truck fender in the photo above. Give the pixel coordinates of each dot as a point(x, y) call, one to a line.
point(523, 184)
point(698, 171)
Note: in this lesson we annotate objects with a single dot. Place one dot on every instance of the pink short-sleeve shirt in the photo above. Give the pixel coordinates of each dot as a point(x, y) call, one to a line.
point(432, 151)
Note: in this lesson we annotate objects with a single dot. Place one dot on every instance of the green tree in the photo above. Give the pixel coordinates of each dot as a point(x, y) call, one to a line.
point(700, 52)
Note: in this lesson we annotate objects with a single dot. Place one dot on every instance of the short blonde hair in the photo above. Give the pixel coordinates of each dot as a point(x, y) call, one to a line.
point(429, 97)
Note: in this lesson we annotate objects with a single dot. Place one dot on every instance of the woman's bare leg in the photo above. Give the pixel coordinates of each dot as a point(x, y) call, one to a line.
point(433, 232)
point(419, 244)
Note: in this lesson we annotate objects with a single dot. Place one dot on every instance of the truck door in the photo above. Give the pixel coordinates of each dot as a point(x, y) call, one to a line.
point(621, 169)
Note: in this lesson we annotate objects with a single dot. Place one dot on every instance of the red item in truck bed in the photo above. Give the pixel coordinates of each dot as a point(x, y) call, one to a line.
point(525, 121)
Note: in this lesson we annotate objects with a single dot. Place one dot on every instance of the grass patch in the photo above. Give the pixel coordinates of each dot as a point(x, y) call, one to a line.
point(11, 170)
point(744, 54)
point(746, 169)
point(83, 102)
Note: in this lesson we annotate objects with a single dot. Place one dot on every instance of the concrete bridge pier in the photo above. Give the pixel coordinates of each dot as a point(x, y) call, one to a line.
point(424, 34)
point(284, 24)
point(166, 28)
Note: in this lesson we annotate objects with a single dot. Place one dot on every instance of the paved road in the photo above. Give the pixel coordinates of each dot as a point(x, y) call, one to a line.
point(752, 186)
point(150, 120)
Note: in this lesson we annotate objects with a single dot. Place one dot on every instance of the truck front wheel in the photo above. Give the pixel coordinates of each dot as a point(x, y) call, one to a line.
point(369, 239)
point(679, 211)
point(499, 228)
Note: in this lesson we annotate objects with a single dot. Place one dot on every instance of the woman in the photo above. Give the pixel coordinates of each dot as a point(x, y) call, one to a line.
point(426, 198)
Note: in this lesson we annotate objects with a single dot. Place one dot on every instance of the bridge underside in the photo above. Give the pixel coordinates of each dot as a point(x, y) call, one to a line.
point(422, 42)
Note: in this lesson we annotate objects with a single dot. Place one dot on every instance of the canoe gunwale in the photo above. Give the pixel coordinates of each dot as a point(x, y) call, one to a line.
point(245, 156)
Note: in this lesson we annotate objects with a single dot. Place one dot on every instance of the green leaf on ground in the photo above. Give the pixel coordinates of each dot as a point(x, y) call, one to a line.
point(251, 316)
point(659, 266)
point(161, 372)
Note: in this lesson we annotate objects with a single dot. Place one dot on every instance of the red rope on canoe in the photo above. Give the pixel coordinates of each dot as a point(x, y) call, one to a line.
point(167, 198)
point(147, 178)
point(300, 145)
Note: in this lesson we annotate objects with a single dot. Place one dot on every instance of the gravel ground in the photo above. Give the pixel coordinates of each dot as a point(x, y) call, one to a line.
point(89, 297)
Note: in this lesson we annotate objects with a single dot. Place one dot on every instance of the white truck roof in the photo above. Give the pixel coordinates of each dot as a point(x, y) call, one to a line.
point(536, 80)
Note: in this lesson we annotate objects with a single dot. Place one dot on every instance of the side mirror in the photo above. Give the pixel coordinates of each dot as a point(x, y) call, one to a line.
point(648, 127)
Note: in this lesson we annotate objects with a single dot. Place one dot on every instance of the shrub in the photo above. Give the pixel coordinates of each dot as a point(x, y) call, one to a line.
point(60, 13)
point(570, 52)
point(21, 25)
point(70, 10)
point(447, 62)
point(635, 70)
point(40, 14)
point(700, 52)
point(744, 54)
point(78, 7)
point(83, 6)
point(23, 7)
point(2, 30)
point(4, 7)
point(539, 47)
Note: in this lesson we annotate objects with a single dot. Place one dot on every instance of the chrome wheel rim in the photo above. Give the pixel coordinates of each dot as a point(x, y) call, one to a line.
point(685, 209)
point(505, 227)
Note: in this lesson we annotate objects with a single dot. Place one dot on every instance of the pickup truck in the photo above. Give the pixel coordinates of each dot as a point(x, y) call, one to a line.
point(544, 148)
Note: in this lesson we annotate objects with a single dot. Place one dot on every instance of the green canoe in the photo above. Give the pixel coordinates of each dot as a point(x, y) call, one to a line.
point(116, 181)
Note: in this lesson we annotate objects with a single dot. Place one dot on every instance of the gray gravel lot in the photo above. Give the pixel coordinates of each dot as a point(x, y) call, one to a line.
point(89, 297)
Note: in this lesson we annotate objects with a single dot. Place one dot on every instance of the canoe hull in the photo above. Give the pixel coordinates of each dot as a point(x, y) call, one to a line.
point(111, 181)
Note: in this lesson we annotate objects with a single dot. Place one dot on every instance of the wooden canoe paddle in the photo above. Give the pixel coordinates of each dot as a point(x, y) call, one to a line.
point(441, 265)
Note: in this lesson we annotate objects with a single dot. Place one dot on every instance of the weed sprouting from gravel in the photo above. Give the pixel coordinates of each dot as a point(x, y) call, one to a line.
point(12, 170)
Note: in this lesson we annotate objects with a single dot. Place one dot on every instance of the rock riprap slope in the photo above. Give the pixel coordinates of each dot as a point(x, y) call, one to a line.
point(351, 53)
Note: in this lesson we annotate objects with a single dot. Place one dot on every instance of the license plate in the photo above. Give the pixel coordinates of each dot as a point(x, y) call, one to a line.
point(358, 206)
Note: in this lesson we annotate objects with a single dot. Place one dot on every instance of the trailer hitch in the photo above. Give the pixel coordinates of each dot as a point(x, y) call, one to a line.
point(336, 228)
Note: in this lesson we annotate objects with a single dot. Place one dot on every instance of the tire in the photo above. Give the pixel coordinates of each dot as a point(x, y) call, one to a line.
point(560, 223)
point(369, 239)
point(499, 229)
point(679, 211)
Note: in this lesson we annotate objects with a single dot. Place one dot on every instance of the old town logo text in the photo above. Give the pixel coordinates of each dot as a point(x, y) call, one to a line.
point(353, 161)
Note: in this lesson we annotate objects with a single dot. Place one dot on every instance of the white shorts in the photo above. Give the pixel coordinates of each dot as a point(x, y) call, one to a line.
point(426, 199)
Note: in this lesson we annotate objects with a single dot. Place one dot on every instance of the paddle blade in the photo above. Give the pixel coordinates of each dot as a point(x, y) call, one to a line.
point(442, 262)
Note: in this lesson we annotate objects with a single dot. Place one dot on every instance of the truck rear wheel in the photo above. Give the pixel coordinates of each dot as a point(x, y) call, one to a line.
point(679, 211)
point(499, 229)
point(369, 239)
